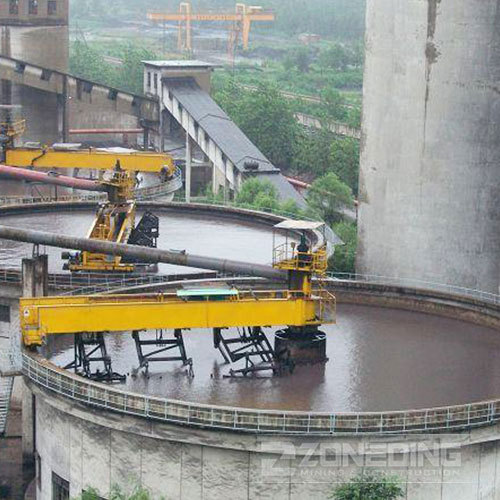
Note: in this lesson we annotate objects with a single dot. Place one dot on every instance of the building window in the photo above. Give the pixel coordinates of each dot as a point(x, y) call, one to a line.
point(33, 7)
point(4, 313)
point(149, 79)
point(60, 488)
point(52, 7)
point(14, 7)
point(156, 81)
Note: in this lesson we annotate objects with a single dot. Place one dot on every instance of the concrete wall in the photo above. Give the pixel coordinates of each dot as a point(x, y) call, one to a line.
point(430, 173)
point(46, 46)
point(83, 115)
point(93, 448)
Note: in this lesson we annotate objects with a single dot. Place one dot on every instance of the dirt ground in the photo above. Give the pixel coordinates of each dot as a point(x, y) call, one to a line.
point(14, 478)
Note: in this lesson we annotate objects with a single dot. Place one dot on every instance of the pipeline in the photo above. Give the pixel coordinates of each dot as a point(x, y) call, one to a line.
point(47, 178)
point(142, 254)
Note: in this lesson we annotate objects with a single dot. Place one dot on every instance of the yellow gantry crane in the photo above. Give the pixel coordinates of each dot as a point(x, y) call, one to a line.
point(241, 20)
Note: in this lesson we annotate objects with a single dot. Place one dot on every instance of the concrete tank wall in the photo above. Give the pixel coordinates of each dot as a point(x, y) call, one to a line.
point(430, 162)
point(47, 46)
point(98, 449)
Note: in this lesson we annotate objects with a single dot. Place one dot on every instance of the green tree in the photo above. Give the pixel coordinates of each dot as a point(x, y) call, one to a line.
point(312, 153)
point(336, 56)
point(265, 117)
point(258, 194)
point(333, 105)
point(329, 197)
point(290, 208)
point(344, 258)
point(354, 117)
point(132, 69)
point(369, 487)
point(262, 195)
point(88, 63)
point(298, 57)
point(117, 493)
point(344, 157)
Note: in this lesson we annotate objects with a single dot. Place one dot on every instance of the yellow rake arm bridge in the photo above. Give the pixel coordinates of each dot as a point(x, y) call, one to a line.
point(99, 159)
point(45, 316)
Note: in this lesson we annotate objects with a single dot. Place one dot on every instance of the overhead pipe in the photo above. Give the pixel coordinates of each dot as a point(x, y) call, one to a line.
point(298, 183)
point(47, 178)
point(142, 254)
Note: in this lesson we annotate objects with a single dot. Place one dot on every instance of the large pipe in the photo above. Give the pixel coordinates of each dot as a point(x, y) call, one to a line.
point(47, 178)
point(142, 254)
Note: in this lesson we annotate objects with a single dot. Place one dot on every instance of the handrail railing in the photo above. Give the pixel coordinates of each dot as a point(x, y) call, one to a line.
point(447, 418)
point(32, 200)
point(419, 284)
point(162, 189)
point(145, 193)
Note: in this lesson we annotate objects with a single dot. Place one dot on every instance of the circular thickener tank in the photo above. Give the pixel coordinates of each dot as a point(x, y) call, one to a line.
point(430, 173)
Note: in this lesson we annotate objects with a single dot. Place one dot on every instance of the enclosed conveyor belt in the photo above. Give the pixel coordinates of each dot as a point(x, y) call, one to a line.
point(58, 180)
point(156, 255)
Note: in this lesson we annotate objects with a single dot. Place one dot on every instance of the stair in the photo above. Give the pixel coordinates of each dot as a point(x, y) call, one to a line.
point(6, 384)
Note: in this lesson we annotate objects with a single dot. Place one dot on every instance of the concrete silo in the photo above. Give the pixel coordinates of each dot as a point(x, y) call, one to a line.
point(430, 163)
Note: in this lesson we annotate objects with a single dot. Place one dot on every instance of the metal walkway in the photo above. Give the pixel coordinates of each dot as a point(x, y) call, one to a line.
point(6, 384)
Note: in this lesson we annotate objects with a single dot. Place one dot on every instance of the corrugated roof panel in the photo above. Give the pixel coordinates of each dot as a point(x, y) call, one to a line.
point(217, 124)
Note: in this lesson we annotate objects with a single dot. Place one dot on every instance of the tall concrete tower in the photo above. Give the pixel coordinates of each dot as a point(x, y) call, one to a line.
point(35, 31)
point(430, 162)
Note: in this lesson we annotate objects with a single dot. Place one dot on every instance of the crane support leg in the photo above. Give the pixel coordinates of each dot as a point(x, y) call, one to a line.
point(90, 349)
point(251, 345)
point(162, 345)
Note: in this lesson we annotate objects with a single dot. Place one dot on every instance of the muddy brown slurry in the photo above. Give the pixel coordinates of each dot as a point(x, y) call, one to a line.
point(379, 359)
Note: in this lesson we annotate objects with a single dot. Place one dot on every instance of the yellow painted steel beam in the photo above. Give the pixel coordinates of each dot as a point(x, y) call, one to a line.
point(89, 158)
point(41, 317)
point(158, 16)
